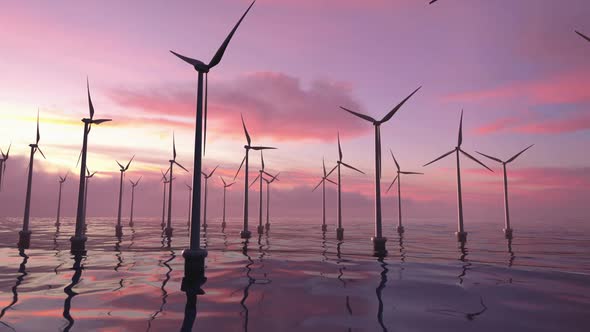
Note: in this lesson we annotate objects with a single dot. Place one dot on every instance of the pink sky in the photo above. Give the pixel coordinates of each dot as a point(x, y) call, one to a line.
point(516, 68)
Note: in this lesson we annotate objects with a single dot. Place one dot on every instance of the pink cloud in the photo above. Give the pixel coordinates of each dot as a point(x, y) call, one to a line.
point(536, 125)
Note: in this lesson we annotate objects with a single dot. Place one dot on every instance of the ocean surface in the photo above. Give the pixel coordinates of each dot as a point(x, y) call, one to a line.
point(296, 278)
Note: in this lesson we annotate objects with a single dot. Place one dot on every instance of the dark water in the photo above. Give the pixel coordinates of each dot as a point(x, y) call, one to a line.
point(295, 279)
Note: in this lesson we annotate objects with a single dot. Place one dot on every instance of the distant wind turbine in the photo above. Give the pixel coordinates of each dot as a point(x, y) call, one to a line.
point(133, 185)
point(122, 169)
point(461, 234)
point(323, 183)
point(507, 228)
point(165, 183)
point(190, 195)
point(3, 160)
point(339, 163)
point(61, 182)
point(379, 240)
point(400, 227)
point(195, 256)
point(245, 233)
point(25, 235)
point(172, 161)
point(87, 177)
point(582, 35)
point(79, 239)
point(260, 178)
point(206, 177)
point(268, 182)
point(225, 186)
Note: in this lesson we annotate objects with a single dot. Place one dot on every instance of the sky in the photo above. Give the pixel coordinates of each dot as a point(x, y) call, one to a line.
point(516, 68)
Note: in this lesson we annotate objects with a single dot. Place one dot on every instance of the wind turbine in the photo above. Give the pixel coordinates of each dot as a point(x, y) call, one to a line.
point(582, 35)
point(379, 240)
point(25, 235)
point(260, 178)
point(339, 163)
point(3, 163)
point(245, 233)
point(400, 228)
point(225, 186)
point(190, 192)
point(61, 182)
point(133, 185)
point(172, 161)
point(165, 183)
point(122, 169)
point(206, 176)
point(87, 177)
point(461, 234)
point(507, 229)
point(323, 183)
point(79, 239)
point(268, 182)
point(195, 256)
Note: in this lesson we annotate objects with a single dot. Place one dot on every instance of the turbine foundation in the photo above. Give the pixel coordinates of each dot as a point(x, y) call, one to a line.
point(168, 231)
point(260, 229)
point(461, 236)
point(131, 224)
point(267, 226)
point(57, 224)
point(24, 239)
point(379, 246)
point(78, 244)
point(223, 224)
point(324, 228)
point(245, 234)
point(118, 231)
point(340, 234)
point(194, 270)
point(508, 233)
point(400, 229)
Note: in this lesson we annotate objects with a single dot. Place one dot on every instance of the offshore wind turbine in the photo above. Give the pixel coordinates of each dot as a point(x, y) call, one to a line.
point(225, 186)
point(195, 256)
point(133, 185)
point(165, 184)
point(268, 182)
point(400, 227)
point(3, 159)
point(122, 169)
point(339, 163)
point(61, 182)
point(25, 235)
point(507, 229)
point(79, 239)
point(323, 184)
point(87, 177)
point(260, 178)
point(379, 240)
point(190, 195)
point(206, 177)
point(461, 234)
point(245, 233)
point(172, 161)
point(582, 35)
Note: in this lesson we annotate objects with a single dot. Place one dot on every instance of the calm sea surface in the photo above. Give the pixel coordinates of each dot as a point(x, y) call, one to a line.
point(296, 279)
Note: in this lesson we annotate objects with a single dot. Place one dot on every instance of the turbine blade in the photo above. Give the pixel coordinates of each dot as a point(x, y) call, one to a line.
point(324, 166)
point(409, 173)
point(136, 183)
point(97, 122)
point(258, 148)
point(254, 181)
point(222, 180)
point(316, 187)
point(356, 169)
point(339, 148)
point(331, 181)
point(518, 154)
point(242, 164)
point(362, 116)
point(199, 65)
point(332, 170)
point(90, 106)
point(432, 1)
point(38, 134)
point(460, 139)
point(267, 173)
point(439, 158)
point(129, 163)
point(8, 152)
point(39, 149)
point(204, 174)
point(396, 108)
point(121, 166)
point(473, 158)
point(490, 157)
point(79, 156)
point(213, 171)
point(582, 35)
point(205, 120)
point(229, 185)
point(173, 147)
point(246, 131)
point(219, 54)
point(394, 160)
point(391, 185)
point(179, 165)
point(262, 159)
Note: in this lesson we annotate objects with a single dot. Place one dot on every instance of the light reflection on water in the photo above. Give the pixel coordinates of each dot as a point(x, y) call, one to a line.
point(295, 278)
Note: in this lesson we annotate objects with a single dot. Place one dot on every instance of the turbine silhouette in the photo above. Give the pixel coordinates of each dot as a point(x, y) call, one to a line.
point(323, 184)
point(400, 227)
point(225, 186)
point(87, 177)
point(25, 235)
point(245, 233)
point(582, 35)
point(172, 161)
point(133, 185)
point(268, 182)
point(339, 163)
point(190, 195)
point(61, 182)
point(165, 182)
point(379, 240)
point(260, 178)
point(507, 228)
point(3, 160)
point(461, 234)
point(123, 169)
point(79, 239)
point(206, 177)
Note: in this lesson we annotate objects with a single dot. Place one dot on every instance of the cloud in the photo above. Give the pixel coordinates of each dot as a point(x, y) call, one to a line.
point(537, 125)
point(277, 105)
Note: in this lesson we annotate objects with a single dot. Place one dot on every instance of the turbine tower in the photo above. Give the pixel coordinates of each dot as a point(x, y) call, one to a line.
point(507, 229)
point(260, 178)
point(133, 185)
point(194, 269)
point(245, 233)
point(3, 160)
point(461, 234)
point(24, 241)
point(206, 176)
point(122, 169)
point(379, 240)
point(323, 184)
point(172, 161)
point(225, 186)
point(268, 182)
point(190, 195)
point(87, 177)
point(79, 239)
point(61, 182)
point(400, 227)
point(165, 184)
point(339, 163)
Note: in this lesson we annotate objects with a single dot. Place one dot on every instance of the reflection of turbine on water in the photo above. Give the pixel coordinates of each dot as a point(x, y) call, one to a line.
point(163, 287)
point(340, 274)
point(468, 315)
point(69, 290)
point(119, 256)
point(23, 273)
point(402, 255)
point(466, 265)
point(511, 259)
point(190, 312)
point(379, 291)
